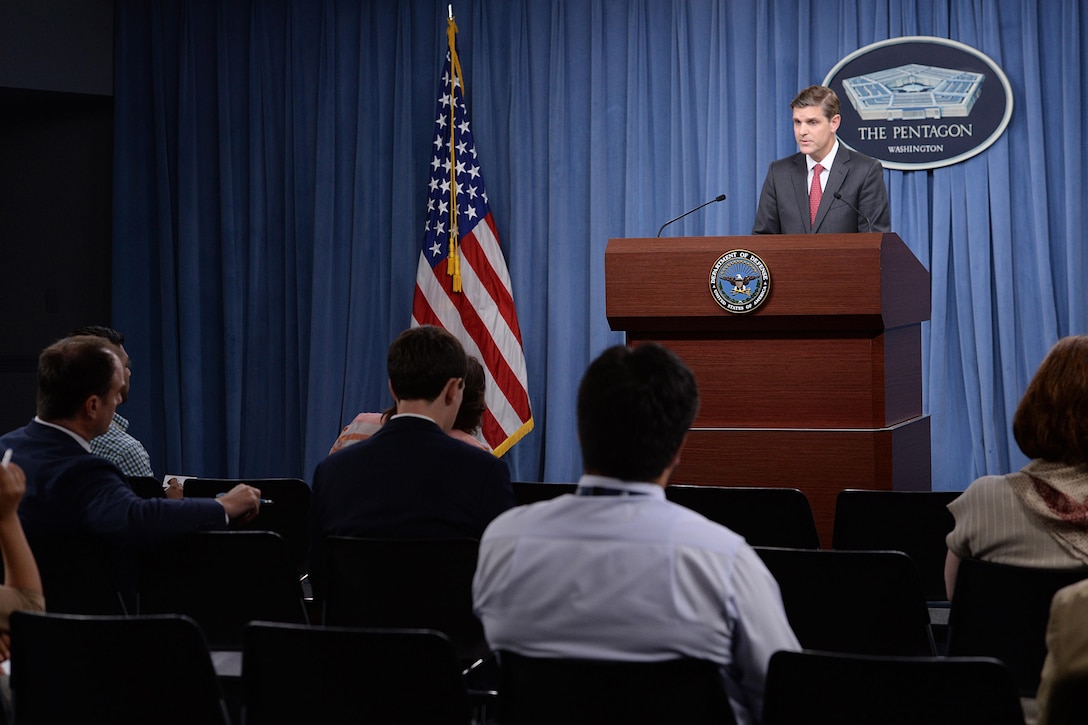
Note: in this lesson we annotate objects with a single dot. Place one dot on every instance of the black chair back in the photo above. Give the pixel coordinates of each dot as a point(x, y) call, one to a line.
point(286, 515)
point(763, 516)
point(146, 486)
point(1001, 611)
point(223, 580)
point(914, 522)
point(405, 583)
point(862, 602)
point(825, 687)
point(526, 492)
point(112, 671)
point(84, 574)
point(540, 691)
point(334, 675)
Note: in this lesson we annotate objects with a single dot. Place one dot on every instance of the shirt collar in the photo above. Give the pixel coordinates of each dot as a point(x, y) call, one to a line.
point(75, 436)
point(120, 420)
point(638, 487)
point(413, 415)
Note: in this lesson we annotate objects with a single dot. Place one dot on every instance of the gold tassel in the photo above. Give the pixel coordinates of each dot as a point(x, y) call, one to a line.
point(453, 265)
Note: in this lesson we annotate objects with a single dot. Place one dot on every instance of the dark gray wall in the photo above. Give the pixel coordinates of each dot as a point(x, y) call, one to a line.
point(56, 162)
point(57, 45)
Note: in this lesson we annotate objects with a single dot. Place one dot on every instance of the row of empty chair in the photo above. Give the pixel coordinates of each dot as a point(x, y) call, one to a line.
point(914, 522)
point(223, 579)
point(286, 512)
point(868, 595)
point(872, 593)
point(865, 598)
point(122, 670)
point(159, 669)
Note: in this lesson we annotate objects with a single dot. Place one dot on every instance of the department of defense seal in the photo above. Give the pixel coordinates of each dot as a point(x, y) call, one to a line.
point(739, 281)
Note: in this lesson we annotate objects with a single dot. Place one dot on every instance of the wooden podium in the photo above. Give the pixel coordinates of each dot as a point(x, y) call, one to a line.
point(820, 388)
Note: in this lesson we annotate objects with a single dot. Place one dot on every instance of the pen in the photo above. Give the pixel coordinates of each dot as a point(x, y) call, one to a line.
point(6, 459)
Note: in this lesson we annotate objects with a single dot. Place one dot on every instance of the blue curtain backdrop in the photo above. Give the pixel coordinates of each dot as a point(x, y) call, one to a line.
point(270, 185)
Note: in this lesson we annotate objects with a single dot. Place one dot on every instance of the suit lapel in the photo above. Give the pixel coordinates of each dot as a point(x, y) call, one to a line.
point(800, 176)
point(835, 177)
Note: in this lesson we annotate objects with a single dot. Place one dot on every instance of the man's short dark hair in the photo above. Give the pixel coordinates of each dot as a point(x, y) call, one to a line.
point(100, 331)
point(422, 360)
point(635, 405)
point(70, 371)
point(821, 96)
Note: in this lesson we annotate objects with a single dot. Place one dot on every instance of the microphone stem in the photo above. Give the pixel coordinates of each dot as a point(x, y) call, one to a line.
point(719, 197)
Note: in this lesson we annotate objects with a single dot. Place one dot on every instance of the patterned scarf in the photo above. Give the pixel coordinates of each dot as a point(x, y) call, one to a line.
point(1057, 494)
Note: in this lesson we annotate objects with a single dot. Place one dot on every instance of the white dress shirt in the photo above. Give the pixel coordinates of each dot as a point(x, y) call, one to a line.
point(630, 577)
point(826, 163)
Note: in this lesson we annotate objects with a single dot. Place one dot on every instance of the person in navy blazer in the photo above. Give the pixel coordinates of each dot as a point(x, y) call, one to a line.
point(70, 490)
point(73, 492)
point(856, 178)
point(410, 479)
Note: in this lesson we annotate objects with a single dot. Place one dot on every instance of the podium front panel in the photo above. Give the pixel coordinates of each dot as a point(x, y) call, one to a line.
point(803, 380)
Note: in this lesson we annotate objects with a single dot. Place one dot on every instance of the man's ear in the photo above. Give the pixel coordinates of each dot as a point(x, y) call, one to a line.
point(453, 386)
point(91, 406)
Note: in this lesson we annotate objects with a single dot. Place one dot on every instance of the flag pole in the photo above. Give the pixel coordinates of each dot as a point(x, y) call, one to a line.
point(454, 266)
point(480, 311)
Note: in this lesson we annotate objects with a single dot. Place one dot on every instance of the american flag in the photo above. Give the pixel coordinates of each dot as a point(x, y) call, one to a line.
point(462, 283)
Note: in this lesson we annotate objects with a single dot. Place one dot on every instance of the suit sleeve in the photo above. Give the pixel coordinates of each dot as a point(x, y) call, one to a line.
point(767, 219)
point(873, 198)
point(107, 506)
point(500, 494)
point(493, 494)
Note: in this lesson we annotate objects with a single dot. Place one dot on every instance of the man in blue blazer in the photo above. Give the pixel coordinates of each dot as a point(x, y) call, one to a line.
point(71, 491)
point(410, 479)
point(851, 196)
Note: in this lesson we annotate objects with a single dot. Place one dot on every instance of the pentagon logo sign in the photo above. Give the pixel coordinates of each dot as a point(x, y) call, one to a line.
point(920, 102)
point(739, 281)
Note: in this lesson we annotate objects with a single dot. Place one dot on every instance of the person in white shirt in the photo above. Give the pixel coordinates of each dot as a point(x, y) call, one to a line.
point(614, 571)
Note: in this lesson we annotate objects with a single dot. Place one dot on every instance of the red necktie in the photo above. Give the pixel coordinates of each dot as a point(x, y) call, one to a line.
point(815, 193)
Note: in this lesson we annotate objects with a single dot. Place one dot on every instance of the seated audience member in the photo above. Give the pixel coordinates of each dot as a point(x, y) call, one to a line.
point(22, 587)
point(70, 490)
point(464, 428)
point(410, 479)
point(617, 572)
point(116, 443)
point(1037, 516)
point(1067, 651)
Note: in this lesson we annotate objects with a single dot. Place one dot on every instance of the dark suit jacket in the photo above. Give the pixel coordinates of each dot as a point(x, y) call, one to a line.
point(71, 491)
point(410, 480)
point(783, 203)
point(83, 500)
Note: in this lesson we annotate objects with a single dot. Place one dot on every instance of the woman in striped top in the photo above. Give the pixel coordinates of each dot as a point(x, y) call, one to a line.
point(1037, 516)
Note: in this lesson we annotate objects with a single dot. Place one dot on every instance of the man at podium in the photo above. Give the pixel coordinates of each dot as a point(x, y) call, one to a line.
point(826, 188)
